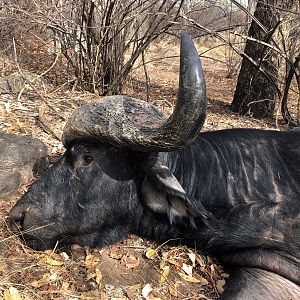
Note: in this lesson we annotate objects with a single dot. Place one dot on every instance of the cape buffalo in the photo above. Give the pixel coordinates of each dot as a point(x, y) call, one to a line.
point(130, 170)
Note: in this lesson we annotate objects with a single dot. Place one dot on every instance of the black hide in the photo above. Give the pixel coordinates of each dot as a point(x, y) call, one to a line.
point(234, 193)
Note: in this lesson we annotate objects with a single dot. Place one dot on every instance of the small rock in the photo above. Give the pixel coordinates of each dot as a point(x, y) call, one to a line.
point(21, 159)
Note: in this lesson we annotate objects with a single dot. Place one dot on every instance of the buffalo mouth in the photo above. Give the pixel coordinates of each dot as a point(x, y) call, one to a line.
point(34, 236)
point(39, 243)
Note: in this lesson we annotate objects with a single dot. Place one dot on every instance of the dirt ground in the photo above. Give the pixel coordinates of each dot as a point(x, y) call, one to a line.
point(131, 269)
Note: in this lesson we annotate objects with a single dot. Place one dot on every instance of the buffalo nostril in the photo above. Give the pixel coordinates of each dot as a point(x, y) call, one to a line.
point(16, 219)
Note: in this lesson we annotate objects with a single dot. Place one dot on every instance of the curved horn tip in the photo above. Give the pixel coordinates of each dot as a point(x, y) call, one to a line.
point(185, 36)
point(189, 52)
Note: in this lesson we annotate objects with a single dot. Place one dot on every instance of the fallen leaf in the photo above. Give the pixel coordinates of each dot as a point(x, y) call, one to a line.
point(64, 256)
point(103, 296)
point(40, 282)
point(65, 285)
point(192, 279)
point(3, 267)
point(173, 291)
point(7, 107)
point(115, 252)
point(212, 267)
point(147, 289)
point(98, 276)
point(53, 276)
point(131, 262)
point(129, 294)
point(20, 124)
point(200, 261)
point(54, 262)
point(150, 254)
point(89, 285)
point(202, 280)
point(209, 260)
point(12, 294)
point(187, 269)
point(219, 286)
point(109, 287)
point(213, 272)
point(174, 262)
point(135, 287)
point(46, 278)
point(37, 283)
point(161, 264)
point(225, 275)
point(51, 254)
point(192, 257)
point(165, 273)
point(188, 278)
point(91, 261)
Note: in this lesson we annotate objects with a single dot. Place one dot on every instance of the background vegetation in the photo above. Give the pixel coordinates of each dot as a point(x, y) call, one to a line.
point(94, 45)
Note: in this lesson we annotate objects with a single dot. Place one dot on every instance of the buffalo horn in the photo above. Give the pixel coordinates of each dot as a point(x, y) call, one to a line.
point(125, 121)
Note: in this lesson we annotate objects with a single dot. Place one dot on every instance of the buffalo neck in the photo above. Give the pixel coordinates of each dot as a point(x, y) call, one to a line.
point(157, 227)
point(234, 172)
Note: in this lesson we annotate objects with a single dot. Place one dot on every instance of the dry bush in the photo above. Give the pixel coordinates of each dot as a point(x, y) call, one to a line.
point(96, 43)
point(282, 42)
point(289, 44)
point(215, 18)
point(92, 36)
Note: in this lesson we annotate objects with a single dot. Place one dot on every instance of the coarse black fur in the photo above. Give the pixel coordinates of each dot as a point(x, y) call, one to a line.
point(235, 193)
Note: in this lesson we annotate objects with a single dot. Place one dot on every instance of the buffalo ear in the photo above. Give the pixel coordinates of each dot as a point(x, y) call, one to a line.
point(163, 193)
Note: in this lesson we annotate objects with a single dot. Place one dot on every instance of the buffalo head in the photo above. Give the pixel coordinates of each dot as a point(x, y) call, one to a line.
point(111, 180)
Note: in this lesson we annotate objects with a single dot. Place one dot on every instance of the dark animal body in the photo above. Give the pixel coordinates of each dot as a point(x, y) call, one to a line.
point(233, 193)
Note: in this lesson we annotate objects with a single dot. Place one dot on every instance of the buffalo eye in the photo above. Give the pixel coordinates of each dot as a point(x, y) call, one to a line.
point(87, 159)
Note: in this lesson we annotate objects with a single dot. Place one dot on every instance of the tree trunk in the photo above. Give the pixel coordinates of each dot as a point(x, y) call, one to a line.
point(255, 93)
